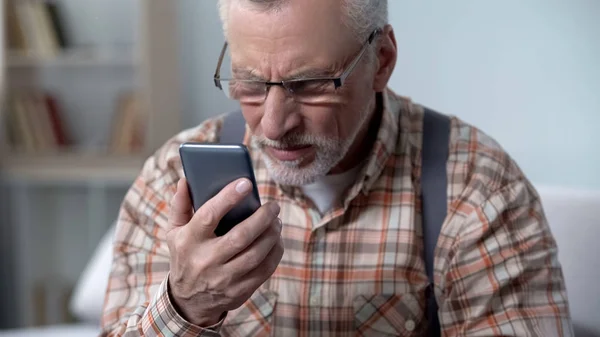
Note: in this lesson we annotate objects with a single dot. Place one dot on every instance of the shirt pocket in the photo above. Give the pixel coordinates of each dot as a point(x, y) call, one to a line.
point(253, 318)
point(389, 315)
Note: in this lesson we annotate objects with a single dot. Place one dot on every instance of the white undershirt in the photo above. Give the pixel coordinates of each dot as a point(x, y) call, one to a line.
point(326, 191)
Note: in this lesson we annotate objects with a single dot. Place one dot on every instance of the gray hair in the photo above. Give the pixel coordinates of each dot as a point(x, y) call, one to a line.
point(362, 17)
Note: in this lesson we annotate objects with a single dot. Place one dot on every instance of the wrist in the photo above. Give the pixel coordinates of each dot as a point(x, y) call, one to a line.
point(199, 318)
point(209, 321)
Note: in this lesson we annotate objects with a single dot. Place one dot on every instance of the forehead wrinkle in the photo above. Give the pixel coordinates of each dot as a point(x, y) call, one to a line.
point(269, 61)
point(283, 48)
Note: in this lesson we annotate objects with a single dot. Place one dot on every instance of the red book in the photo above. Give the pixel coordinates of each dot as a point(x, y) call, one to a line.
point(57, 125)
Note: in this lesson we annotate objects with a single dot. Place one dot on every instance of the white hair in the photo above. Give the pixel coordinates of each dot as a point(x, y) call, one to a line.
point(362, 17)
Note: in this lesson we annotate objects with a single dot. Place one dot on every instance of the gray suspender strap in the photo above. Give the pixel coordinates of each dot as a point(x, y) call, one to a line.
point(233, 129)
point(436, 135)
point(434, 182)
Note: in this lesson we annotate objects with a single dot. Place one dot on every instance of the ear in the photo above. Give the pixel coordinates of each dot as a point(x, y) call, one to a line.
point(387, 54)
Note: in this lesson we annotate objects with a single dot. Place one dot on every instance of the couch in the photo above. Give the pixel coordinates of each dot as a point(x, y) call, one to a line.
point(573, 214)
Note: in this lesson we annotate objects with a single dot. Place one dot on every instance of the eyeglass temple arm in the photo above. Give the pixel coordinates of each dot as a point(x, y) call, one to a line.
point(338, 82)
point(217, 77)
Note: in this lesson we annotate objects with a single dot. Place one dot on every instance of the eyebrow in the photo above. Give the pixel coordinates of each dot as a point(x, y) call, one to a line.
point(314, 73)
point(251, 74)
point(246, 74)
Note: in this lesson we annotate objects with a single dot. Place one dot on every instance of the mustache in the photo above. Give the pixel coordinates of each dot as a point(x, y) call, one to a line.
point(292, 140)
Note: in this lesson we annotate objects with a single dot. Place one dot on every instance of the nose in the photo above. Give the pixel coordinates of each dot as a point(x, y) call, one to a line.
point(278, 117)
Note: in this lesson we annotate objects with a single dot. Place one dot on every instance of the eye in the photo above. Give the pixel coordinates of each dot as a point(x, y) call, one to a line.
point(245, 90)
point(301, 87)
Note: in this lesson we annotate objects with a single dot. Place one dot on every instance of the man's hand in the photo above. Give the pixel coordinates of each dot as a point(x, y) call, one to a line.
point(211, 275)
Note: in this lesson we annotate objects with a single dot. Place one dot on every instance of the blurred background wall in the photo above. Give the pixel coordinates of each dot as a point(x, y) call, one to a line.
point(526, 72)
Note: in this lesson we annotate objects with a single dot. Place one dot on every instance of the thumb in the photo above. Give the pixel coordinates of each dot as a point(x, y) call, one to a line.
point(209, 215)
point(181, 206)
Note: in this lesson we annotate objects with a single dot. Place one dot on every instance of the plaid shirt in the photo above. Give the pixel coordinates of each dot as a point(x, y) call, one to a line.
point(358, 269)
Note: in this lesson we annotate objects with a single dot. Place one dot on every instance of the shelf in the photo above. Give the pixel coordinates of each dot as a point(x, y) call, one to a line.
point(77, 57)
point(71, 169)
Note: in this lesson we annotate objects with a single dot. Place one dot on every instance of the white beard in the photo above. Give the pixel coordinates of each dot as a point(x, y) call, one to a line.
point(328, 153)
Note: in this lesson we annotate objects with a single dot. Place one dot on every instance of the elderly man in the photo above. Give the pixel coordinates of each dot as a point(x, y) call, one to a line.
point(337, 248)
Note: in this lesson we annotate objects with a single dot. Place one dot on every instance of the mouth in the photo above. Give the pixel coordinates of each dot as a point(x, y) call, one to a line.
point(293, 153)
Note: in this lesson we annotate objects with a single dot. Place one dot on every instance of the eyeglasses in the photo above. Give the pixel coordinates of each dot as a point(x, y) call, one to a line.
point(304, 90)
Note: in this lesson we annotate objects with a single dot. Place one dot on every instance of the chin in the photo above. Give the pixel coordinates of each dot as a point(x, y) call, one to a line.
point(300, 172)
point(306, 159)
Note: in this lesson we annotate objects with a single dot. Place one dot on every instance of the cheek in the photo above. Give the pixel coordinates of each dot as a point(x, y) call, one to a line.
point(322, 120)
point(341, 120)
point(357, 102)
point(252, 115)
point(336, 122)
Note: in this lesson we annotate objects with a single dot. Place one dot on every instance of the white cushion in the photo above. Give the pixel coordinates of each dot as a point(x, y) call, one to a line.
point(574, 217)
point(88, 295)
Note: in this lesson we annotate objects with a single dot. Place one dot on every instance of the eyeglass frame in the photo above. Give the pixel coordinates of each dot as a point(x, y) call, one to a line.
point(337, 81)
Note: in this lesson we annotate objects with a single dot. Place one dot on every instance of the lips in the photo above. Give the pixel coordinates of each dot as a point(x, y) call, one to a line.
point(290, 153)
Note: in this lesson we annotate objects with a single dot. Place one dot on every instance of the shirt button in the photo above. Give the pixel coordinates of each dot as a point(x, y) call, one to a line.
point(410, 325)
point(314, 300)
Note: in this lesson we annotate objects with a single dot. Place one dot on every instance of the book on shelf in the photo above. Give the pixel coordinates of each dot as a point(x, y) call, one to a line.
point(127, 135)
point(34, 122)
point(35, 27)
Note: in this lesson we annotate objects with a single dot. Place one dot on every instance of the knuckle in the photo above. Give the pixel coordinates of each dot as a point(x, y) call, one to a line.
point(279, 251)
point(230, 200)
point(235, 239)
point(209, 214)
point(272, 236)
point(267, 214)
point(201, 264)
point(252, 260)
point(274, 232)
point(173, 202)
point(209, 256)
point(231, 293)
point(225, 280)
point(178, 241)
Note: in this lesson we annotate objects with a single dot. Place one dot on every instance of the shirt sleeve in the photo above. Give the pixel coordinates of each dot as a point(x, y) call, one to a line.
point(503, 277)
point(137, 299)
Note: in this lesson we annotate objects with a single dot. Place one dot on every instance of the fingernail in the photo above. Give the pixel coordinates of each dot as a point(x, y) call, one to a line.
point(243, 187)
point(274, 208)
point(280, 224)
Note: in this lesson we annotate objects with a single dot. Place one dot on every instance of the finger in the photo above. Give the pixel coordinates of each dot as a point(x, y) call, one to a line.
point(256, 253)
point(244, 234)
point(206, 219)
point(180, 211)
point(249, 282)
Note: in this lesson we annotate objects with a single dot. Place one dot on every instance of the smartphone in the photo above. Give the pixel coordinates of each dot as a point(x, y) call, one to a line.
point(208, 168)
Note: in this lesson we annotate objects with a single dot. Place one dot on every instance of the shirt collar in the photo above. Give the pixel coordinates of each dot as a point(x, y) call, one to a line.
point(384, 146)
